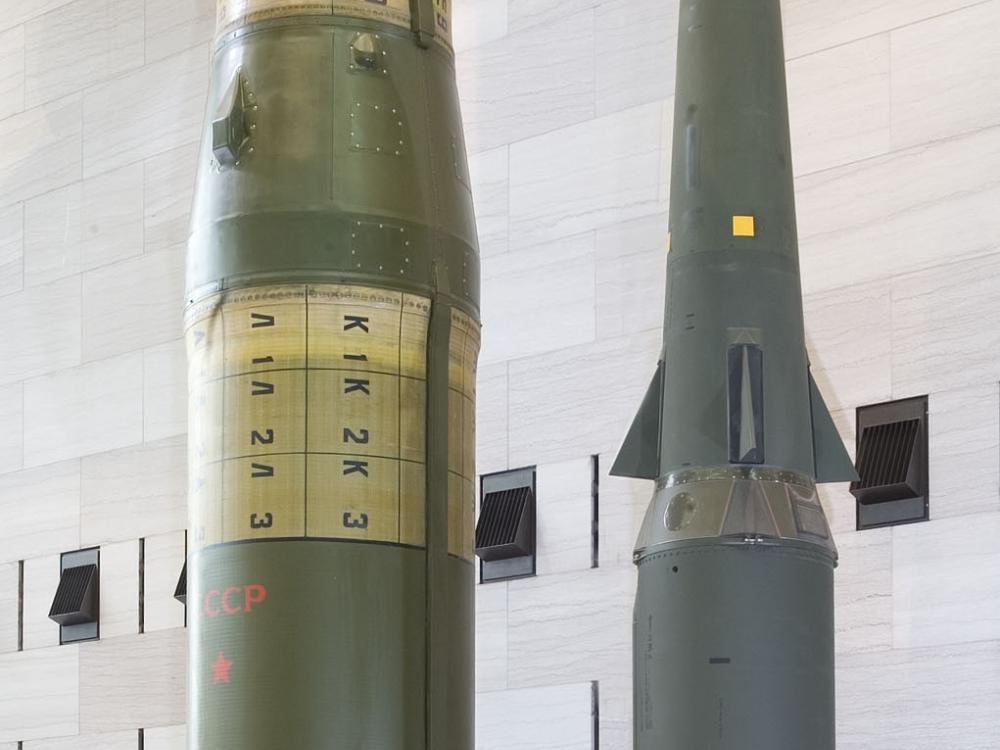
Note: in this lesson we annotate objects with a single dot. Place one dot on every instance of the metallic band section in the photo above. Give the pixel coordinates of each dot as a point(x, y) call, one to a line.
point(231, 14)
point(748, 505)
point(759, 473)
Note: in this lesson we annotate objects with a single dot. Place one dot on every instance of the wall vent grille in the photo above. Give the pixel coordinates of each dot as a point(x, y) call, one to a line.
point(503, 522)
point(75, 600)
point(885, 452)
point(505, 532)
point(892, 463)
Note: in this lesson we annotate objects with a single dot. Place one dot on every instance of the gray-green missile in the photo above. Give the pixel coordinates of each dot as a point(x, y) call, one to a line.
point(332, 329)
point(733, 629)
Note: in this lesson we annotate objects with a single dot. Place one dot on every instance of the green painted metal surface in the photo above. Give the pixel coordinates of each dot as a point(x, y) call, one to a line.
point(734, 649)
point(333, 191)
point(733, 640)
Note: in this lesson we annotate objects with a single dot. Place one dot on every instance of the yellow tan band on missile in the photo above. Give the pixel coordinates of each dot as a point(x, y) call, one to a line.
point(231, 14)
point(309, 415)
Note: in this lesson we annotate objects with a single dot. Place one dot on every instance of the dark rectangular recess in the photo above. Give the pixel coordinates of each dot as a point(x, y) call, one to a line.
point(505, 532)
point(892, 463)
point(142, 585)
point(595, 511)
point(182, 581)
point(76, 606)
point(595, 714)
point(20, 605)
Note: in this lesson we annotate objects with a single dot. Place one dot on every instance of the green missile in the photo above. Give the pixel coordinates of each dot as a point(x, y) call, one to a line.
point(333, 332)
point(733, 622)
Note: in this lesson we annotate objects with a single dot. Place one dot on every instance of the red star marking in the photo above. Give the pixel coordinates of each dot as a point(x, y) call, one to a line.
point(220, 669)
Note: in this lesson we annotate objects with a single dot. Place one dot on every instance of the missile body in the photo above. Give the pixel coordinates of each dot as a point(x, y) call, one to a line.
point(332, 329)
point(733, 628)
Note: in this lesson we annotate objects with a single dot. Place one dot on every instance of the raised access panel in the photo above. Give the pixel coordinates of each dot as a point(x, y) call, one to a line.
point(892, 463)
point(505, 532)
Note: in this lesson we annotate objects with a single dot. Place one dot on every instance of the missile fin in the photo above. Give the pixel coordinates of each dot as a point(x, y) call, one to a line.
point(639, 456)
point(830, 458)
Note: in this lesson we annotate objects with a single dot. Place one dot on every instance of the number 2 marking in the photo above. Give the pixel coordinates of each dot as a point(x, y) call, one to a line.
point(350, 435)
point(261, 523)
point(355, 523)
point(266, 439)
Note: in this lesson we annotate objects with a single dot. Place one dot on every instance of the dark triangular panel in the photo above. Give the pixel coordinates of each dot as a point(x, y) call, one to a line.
point(831, 460)
point(639, 456)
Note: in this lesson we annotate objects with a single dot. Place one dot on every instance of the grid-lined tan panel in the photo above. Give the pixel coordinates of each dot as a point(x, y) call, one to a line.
point(265, 413)
point(354, 412)
point(308, 414)
point(263, 497)
point(463, 354)
point(265, 331)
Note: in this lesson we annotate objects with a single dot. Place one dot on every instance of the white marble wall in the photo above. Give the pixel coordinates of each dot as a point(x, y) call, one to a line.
point(895, 113)
point(101, 103)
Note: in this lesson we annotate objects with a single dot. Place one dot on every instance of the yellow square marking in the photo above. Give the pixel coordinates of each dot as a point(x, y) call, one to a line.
point(743, 226)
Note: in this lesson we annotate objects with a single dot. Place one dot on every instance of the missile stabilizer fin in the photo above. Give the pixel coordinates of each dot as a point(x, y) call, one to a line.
point(831, 460)
point(639, 456)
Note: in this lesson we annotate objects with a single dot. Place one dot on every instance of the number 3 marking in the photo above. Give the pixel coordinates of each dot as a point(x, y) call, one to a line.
point(261, 523)
point(355, 523)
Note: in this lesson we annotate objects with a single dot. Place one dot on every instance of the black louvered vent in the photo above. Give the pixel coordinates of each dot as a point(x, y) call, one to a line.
point(505, 532)
point(77, 598)
point(885, 454)
point(891, 463)
point(180, 593)
point(504, 520)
